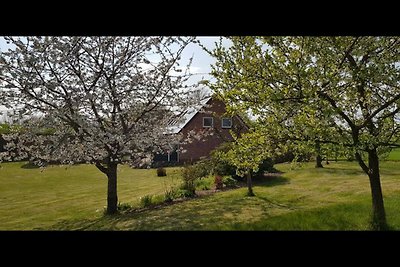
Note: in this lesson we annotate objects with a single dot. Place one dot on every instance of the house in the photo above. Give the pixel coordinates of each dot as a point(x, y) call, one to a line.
point(209, 122)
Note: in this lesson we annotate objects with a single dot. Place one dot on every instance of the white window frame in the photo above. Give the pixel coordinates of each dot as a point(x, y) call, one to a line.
point(222, 123)
point(212, 122)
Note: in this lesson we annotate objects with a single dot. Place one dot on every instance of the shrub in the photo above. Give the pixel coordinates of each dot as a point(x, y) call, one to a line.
point(123, 206)
point(223, 168)
point(228, 181)
point(186, 193)
point(201, 169)
point(193, 173)
point(204, 183)
point(266, 166)
point(170, 195)
point(156, 200)
point(145, 201)
point(161, 172)
point(220, 166)
point(188, 175)
point(218, 182)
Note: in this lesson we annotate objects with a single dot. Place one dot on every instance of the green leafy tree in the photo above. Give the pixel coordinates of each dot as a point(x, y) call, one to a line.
point(246, 153)
point(341, 91)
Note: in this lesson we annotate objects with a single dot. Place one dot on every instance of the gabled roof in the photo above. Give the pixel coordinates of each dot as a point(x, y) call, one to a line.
point(175, 125)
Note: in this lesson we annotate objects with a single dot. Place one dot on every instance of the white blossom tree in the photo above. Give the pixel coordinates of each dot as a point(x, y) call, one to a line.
point(102, 100)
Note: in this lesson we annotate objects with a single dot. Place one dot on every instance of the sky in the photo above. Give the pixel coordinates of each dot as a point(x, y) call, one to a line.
point(201, 64)
point(201, 60)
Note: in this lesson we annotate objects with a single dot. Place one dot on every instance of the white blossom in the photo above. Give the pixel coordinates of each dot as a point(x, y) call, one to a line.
point(91, 99)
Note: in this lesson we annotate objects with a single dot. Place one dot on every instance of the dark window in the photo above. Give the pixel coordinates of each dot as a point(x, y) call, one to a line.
point(208, 122)
point(226, 122)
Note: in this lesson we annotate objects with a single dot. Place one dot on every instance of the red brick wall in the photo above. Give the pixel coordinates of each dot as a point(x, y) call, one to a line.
point(198, 149)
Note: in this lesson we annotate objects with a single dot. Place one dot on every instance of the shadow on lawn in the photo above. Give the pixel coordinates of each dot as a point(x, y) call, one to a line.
point(29, 165)
point(271, 179)
point(202, 211)
point(346, 171)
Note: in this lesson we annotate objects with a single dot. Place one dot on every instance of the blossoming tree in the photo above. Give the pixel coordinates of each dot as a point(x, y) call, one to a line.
point(101, 100)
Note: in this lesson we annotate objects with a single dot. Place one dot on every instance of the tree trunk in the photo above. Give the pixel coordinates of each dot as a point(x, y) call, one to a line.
point(112, 198)
point(318, 163)
point(378, 208)
point(249, 185)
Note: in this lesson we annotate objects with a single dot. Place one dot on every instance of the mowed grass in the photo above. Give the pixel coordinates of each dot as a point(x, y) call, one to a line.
point(31, 198)
point(394, 155)
point(336, 197)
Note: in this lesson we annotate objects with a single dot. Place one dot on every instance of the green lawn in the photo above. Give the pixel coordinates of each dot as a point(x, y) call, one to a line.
point(394, 155)
point(334, 198)
point(35, 198)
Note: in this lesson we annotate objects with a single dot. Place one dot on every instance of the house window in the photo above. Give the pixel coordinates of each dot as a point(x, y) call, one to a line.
point(208, 122)
point(226, 123)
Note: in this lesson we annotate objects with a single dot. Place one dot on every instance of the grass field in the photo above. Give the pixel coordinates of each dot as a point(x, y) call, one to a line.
point(394, 155)
point(31, 198)
point(304, 198)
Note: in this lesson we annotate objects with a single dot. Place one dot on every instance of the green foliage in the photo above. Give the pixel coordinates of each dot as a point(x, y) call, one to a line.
point(186, 193)
point(191, 174)
point(161, 171)
point(157, 199)
point(313, 94)
point(308, 89)
point(4, 128)
point(146, 201)
point(220, 165)
point(189, 177)
point(246, 153)
point(169, 195)
point(174, 193)
point(202, 168)
point(223, 166)
point(204, 183)
point(266, 166)
point(124, 207)
point(228, 181)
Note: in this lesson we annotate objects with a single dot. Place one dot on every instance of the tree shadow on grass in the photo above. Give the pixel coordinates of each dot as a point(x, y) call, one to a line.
point(30, 165)
point(346, 171)
point(269, 180)
point(200, 213)
point(105, 222)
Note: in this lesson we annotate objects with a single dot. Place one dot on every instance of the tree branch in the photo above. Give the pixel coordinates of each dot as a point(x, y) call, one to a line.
point(373, 114)
point(101, 167)
point(337, 109)
point(361, 163)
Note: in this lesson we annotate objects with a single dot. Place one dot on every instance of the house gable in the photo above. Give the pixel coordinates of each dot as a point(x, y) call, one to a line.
point(215, 135)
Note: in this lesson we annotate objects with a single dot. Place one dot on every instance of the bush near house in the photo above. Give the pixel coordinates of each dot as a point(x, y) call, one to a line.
point(222, 167)
point(161, 172)
point(190, 174)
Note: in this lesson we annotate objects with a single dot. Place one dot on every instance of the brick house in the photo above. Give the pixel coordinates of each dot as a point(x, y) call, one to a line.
point(208, 119)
